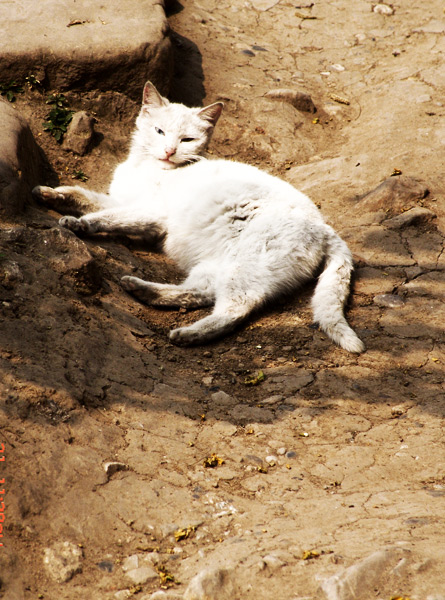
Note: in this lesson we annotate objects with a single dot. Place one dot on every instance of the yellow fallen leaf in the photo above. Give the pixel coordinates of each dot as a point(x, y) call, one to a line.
point(213, 461)
point(255, 379)
point(308, 554)
point(184, 533)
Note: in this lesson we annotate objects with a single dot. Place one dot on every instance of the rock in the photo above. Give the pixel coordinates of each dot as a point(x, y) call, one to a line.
point(383, 9)
point(69, 256)
point(393, 195)
point(141, 575)
point(273, 399)
point(161, 595)
point(263, 5)
point(272, 561)
point(212, 584)
point(300, 100)
point(288, 380)
point(62, 561)
point(433, 26)
point(122, 594)
point(79, 134)
point(21, 161)
point(139, 568)
point(87, 46)
point(409, 217)
point(131, 562)
point(223, 398)
point(389, 300)
point(10, 273)
point(113, 467)
point(358, 581)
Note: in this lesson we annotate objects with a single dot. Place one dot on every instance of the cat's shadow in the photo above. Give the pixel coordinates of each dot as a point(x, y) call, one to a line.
point(187, 85)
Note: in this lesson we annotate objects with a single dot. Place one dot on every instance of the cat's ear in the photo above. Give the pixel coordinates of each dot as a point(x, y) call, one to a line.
point(211, 113)
point(151, 98)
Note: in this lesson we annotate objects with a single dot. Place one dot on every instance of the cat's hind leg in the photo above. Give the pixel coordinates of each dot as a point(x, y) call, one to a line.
point(72, 200)
point(196, 291)
point(226, 316)
point(164, 294)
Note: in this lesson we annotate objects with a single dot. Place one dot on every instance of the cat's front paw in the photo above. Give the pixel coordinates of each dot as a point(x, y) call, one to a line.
point(74, 224)
point(47, 194)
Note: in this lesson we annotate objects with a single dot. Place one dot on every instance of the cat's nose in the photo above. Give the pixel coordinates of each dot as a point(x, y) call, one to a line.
point(169, 152)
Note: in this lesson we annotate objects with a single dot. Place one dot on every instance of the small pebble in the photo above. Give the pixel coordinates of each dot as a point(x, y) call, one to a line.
point(383, 9)
point(398, 410)
point(113, 467)
point(271, 459)
point(272, 399)
point(281, 451)
point(389, 300)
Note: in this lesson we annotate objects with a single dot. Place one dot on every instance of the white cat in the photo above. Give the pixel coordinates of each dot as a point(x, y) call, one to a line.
point(241, 235)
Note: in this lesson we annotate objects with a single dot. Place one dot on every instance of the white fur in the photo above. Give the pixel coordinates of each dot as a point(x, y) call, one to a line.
point(242, 236)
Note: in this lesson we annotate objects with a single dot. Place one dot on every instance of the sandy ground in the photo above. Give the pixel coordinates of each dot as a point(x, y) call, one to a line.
point(332, 453)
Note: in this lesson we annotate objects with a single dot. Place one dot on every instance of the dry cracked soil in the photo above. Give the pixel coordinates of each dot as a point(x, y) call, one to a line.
point(271, 462)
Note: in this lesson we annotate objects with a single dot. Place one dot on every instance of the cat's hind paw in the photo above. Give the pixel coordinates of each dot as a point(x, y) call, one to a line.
point(183, 336)
point(139, 288)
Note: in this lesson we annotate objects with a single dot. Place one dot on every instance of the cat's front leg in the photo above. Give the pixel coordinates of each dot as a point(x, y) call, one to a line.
point(117, 220)
point(73, 200)
point(77, 225)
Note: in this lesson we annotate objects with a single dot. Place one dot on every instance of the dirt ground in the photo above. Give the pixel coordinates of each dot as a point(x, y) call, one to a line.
point(332, 453)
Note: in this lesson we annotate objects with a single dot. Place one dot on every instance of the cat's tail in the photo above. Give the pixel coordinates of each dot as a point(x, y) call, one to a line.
point(331, 293)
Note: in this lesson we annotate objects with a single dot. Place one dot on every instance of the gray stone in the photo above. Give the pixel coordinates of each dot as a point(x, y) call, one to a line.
point(300, 100)
point(79, 134)
point(21, 161)
point(272, 561)
point(383, 9)
point(86, 45)
point(122, 594)
point(212, 584)
point(389, 300)
point(393, 195)
point(141, 575)
point(10, 273)
point(358, 581)
point(62, 561)
point(111, 468)
point(434, 26)
point(409, 217)
point(161, 595)
point(223, 399)
point(263, 5)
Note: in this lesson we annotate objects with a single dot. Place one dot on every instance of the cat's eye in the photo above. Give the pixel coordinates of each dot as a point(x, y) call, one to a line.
point(159, 131)
point(187, 139)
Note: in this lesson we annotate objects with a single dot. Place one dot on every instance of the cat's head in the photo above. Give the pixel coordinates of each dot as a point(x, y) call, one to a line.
point(173, 134)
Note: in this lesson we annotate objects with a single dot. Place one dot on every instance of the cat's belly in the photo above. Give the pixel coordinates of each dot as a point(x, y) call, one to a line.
point(235, 230)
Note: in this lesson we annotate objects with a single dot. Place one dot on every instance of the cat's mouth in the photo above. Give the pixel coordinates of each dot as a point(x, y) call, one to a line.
point(168, 162)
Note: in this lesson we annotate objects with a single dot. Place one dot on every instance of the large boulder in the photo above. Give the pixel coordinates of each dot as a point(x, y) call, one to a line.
point(86, 44)
point(21, 161)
